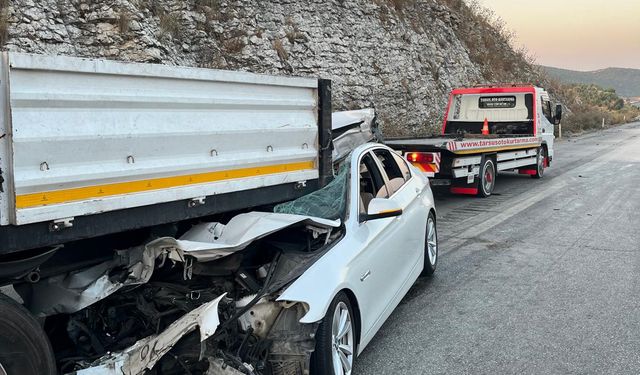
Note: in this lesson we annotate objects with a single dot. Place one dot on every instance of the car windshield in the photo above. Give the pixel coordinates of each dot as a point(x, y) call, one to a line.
point(330, 202)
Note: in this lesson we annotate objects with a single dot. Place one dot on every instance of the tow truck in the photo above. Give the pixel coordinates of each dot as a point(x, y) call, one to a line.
point(487, 129)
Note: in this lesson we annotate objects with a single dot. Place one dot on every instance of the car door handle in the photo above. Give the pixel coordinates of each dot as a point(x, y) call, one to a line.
point(365, 275)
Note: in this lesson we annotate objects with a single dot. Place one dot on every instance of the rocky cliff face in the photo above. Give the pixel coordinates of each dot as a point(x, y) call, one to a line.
point(400, 56)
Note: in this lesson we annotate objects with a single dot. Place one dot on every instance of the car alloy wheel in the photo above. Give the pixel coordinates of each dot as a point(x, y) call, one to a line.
point(430, 247)
point(432, 241)
point(342, 340)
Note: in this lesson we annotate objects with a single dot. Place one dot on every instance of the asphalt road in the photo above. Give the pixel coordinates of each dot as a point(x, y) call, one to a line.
point(541, 278)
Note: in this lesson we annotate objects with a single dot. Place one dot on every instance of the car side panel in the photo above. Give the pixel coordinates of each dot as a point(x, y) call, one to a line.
point(393, 303)
point(337, 270)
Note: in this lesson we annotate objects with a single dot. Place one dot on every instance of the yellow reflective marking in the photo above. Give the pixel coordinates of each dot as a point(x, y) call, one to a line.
point(100, 191)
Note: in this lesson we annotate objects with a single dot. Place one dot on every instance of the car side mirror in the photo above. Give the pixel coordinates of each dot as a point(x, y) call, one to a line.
point(558, 113)
point(380, 208)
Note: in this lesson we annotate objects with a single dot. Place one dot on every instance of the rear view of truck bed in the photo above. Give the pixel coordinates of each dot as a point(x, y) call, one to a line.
point(486, 130)
point(93, 146)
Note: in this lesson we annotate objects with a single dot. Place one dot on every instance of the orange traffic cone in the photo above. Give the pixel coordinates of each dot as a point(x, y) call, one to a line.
point(485, 127)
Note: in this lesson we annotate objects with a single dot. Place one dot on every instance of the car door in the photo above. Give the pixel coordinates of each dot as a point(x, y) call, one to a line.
point(406, 191)
point(386, 243)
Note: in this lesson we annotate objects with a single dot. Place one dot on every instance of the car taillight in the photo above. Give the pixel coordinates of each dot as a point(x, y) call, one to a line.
point(420, 157)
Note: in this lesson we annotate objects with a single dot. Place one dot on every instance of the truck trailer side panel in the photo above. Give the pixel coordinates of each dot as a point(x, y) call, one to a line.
point(93, 136)
point(84, 137)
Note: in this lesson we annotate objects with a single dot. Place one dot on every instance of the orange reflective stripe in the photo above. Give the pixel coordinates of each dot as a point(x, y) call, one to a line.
point(119, 188)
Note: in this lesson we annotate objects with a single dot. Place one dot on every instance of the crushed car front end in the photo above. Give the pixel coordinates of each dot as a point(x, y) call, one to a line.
point(204, 301)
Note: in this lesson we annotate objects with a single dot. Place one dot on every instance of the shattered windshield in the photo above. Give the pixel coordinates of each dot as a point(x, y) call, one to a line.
point(327, 203)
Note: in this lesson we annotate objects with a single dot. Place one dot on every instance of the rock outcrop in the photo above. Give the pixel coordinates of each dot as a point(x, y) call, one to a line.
point(400, 56)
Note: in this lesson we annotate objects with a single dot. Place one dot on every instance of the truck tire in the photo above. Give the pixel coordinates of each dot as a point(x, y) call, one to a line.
point(24, 347)
point(542, 154)
point(487, 177)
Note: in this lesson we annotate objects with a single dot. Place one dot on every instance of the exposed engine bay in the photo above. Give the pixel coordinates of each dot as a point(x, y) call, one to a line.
point(203, 303)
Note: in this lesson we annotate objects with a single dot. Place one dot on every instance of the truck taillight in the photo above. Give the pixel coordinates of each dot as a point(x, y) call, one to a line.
point(420, 157)
point(427, 162)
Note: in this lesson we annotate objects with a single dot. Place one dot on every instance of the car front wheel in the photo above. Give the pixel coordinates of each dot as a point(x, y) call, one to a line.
point(336, 339)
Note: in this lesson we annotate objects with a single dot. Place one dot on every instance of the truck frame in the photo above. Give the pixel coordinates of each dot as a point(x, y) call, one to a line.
point(486, 130)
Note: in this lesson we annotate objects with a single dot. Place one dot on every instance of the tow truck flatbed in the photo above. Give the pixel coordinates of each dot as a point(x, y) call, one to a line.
point(467, 145)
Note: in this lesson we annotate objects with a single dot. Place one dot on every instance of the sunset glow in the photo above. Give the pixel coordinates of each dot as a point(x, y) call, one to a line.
point(575, 34)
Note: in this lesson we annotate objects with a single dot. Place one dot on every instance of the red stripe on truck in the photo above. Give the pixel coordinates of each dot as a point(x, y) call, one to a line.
point(464, 190)
point(530, 172)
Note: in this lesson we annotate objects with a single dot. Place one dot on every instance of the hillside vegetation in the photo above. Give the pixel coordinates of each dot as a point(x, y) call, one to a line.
point(589, 104)
point(626, 82)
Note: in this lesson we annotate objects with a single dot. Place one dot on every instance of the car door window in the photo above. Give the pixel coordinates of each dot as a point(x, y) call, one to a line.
point(396, 178)
point(402, 164)
point(371, 182)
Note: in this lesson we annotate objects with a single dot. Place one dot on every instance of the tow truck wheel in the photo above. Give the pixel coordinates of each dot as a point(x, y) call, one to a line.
point(487, 178)
point(24, 347)
point(335, 339)
point(430, 247)
point(542, 155)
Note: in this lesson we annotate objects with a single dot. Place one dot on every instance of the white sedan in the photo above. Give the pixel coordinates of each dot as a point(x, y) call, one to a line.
point(301, 288)
point(390, 240)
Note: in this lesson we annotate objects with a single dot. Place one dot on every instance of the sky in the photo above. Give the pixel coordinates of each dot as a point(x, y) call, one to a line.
point(575, 34)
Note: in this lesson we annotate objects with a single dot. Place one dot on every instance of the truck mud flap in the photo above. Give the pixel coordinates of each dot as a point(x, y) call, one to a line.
point(459, 186)
point(464, 190)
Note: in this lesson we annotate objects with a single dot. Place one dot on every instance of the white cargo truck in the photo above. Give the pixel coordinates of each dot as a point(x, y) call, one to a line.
point(99, 157)
point(486, 130)
point(92, 147)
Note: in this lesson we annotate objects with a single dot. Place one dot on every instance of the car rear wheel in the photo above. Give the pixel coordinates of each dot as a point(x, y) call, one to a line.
point(430, 247)
point(24, 347)
point(336, 339)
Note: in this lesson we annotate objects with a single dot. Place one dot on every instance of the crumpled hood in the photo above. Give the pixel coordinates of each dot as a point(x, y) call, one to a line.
point(210, 241)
